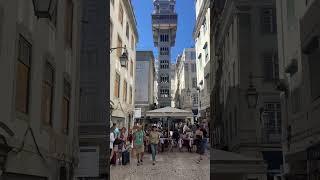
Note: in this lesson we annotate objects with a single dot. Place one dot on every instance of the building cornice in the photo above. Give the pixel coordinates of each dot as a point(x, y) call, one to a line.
point(202, 13)
point(132, 17)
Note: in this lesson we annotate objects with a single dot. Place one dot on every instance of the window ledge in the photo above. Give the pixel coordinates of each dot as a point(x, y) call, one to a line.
point(22, 116)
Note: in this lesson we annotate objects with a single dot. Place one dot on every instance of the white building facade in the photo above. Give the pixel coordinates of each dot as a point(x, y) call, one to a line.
point(186, 75)
point(145, 77)
point(201, 34)
point(39, 90)
point(123, 33)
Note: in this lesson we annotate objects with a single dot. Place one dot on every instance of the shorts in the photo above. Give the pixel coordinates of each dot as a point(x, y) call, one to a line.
point(139, 149)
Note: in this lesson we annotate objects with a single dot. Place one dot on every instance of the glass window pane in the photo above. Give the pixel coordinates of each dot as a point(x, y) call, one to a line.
point(22, 88)
point(46, 103)
point(65, 115)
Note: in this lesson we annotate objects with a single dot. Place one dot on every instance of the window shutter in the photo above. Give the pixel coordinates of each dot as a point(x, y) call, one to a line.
point(268, 66)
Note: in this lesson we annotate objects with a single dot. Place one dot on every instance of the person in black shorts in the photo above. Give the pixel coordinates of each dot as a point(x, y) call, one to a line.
point(199, 142)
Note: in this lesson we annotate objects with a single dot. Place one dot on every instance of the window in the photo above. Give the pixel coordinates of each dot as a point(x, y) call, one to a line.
point(171, 7)
point(127, 30)
point(124, 91)
point(195, 99)
point(69, 22)
point(235, 121)
point(111, 32)
point(164, 93)
point(132, 42)
point(194, 82)
point(131, 95)
point(131, 68)
point(119, 50)
point(205, 47)
point(186, 66)
point(296, 100)
point(164, 51)
point(66, 106)
point(164, 78)
point(193, 67)
point(117, 86)
point(230, 126)
point(164, 64)
point(271, 66)
point(204, 24)
point(120, 15)
point(47, 94)
point(164, 38)
point(272, 118)
point(269, 20)
point(314, 65)
point(193, 55)
point(23, 76)
point(234, 73)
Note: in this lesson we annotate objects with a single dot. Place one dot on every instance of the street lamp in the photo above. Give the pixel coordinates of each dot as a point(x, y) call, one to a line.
point(252, 94)
point(4, 149)
point(123, 57)
point(44, 8)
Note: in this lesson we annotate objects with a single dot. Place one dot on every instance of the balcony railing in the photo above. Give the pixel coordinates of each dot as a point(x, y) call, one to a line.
point(164, 19)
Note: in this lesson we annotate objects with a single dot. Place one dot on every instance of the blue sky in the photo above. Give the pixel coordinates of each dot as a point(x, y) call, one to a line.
point(186, 20)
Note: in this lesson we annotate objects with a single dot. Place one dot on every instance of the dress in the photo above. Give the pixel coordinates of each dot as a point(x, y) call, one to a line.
point(199, 143)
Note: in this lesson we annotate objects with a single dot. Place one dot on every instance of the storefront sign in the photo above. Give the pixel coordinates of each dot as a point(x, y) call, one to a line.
point(137, 112)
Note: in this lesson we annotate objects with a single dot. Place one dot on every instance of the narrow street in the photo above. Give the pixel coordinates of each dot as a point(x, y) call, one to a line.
point(169, 166)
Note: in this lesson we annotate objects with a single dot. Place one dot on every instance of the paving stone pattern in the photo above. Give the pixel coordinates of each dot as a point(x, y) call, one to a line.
point(169, 166)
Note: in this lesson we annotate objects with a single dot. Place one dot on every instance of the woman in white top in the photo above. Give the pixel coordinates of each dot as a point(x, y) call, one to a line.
point(112, 138)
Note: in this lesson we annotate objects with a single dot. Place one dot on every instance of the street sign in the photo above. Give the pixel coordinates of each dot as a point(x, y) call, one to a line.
point(88, 162)
point(137, 112)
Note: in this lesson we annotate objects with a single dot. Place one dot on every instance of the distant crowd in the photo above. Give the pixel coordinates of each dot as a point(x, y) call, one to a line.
point(134, 142)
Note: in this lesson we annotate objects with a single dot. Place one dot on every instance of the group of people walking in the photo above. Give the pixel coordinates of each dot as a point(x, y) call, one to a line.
point(123, 143)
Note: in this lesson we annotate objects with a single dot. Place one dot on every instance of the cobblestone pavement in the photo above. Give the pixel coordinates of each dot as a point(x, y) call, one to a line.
point(169, 166)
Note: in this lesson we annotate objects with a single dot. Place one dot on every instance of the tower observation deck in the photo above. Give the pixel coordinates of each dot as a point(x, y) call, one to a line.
point(164, 27)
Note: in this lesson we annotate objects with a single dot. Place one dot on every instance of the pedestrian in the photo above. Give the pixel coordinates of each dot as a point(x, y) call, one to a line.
point(199, 142)
point(122, 143)
point(130, 140)
point(138, 145)
point(117, 149)
point(176, 136)
point(205, 138)
point(154, 138)
point(112, 138)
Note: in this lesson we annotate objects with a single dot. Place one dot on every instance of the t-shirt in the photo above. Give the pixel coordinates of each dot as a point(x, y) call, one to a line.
point(154, 137)
point(111, 139)
point(116, 132)
point(204, 132)
point(138, 137)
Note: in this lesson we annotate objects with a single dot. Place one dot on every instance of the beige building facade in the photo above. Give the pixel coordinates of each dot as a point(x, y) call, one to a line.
point(39, 75)
point(186, 94)
point(123, 33)
point(298, 41)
